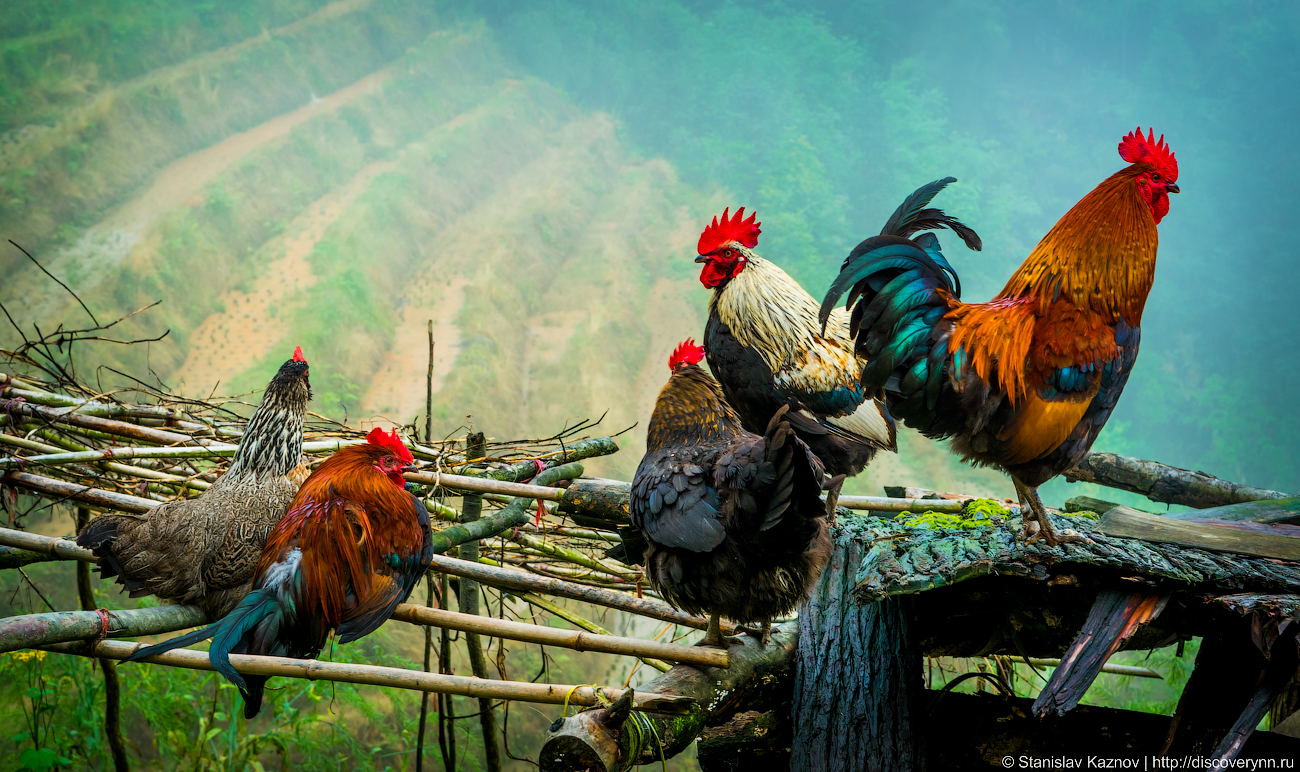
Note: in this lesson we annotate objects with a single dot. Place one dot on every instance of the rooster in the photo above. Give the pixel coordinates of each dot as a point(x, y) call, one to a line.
point(203, 550)
point(734, 520)
point(351, 548)
point(768, 351)
point(1026, 381)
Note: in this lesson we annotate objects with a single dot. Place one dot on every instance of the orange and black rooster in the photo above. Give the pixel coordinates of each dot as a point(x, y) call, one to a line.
point(768, 350)
point(735, 523)
point(1025, 381)
point(351, 548)
point(204, 550)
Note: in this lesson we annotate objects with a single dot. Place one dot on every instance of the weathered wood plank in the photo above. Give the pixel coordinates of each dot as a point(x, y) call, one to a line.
point(1129, 523)
point(1267, 512)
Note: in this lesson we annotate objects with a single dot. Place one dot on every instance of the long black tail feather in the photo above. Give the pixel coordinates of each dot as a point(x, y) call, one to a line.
point(896, 287)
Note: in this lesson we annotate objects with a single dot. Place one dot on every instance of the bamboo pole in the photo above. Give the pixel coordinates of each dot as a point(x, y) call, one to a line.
point(471, 508)
point(585, 624)
point(572, 556)
point(112, 685)
point(553, 636)
point(428, 634)
point(119, 454)
point(885, 504)
point(522, 581)
point(177, 418)
point(597, 446)
point(49, 545)
point(120, 428)
point(84, 493)
point(484, 485)
point(1125, 670)
point(375, 675)
point(30, 631)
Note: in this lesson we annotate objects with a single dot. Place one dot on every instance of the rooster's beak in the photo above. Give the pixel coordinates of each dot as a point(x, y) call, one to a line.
point(702, 259)
point(1171, 188)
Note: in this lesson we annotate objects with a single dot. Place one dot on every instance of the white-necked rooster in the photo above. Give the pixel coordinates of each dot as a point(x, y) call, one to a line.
point(768, 349)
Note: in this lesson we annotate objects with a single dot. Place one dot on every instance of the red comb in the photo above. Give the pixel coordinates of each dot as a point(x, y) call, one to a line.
point(686, 354)
point(297, 355)
point(1136, 149)
point(391, 441)
point(735, 229)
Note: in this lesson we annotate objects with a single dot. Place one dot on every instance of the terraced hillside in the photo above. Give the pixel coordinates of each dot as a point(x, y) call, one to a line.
point(344, 205)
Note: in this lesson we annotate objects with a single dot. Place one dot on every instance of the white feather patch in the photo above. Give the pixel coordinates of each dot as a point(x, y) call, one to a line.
point(867, 421)
point(282, 571)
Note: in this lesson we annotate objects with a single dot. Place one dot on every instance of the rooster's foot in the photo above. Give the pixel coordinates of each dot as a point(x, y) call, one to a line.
point(713, 635)
point(763, 634)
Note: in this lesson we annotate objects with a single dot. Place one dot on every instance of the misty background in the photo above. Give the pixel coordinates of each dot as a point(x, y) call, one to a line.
point(532, 178)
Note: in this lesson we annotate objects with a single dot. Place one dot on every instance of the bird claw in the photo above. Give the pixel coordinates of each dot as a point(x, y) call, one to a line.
point(763, 634)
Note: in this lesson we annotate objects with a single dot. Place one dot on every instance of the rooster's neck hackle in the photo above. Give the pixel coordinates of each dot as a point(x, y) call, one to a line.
point(1101, 256)
point(691, 409)
point(272, 443)
point(768, 311)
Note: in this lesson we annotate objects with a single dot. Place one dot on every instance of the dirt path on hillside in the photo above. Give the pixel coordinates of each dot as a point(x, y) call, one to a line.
point(213, 354)
point(128, 228)
point(393, 399)
point(186, 177)
point(26, 143)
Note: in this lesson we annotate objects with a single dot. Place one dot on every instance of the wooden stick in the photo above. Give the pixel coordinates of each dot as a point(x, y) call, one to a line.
point(484, 485)
point(50, 545)
point(554, 636)
point(521, 581)
point(885, 504)
point(1160, 482)
point(1124, 670)
point(32, 630)
point(585, 624)
point(120, 428)
point(1130, 523)
point(375, 675)
point(119, 454)
point(94, 496)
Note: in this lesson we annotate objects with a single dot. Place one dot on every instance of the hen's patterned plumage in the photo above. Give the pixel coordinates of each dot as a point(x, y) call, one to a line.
point(351, 548)
point(204, 550)
point(734, 520)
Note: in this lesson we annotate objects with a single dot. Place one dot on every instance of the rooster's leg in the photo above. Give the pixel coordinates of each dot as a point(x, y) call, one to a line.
point(713, 635)
point(1036, 523)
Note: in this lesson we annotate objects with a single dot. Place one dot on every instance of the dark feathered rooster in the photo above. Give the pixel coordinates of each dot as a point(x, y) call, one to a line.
point(734, 520)
point(768, 350)
point(351, 548)
point(203, 550)
point(1027, 380)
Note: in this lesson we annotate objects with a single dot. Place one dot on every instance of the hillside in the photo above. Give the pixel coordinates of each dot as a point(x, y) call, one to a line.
point(437, 185)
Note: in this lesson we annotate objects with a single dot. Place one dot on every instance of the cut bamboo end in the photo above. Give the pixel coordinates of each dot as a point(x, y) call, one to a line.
point(399, 678)
point(50, 545)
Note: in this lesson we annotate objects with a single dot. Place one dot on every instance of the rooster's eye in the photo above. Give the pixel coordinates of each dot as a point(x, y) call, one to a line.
point(728, 253)
point(1155, 177)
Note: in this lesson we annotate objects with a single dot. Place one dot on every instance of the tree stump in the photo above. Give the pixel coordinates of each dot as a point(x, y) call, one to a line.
point(858, 688)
